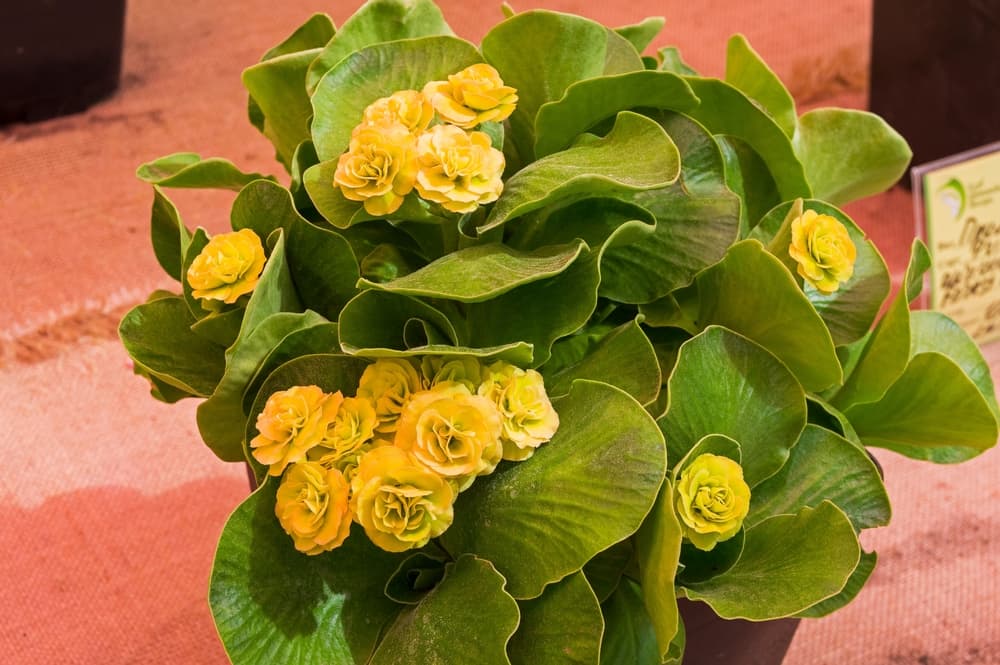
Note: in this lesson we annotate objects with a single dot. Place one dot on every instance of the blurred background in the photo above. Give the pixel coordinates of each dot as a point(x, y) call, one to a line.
point(113, 506)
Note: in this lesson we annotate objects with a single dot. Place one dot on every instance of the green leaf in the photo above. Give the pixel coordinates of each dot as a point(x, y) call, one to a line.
point(169, 235)
point(933, 411)
point(415, 578)
point(376, 320)
point(188, 169)
point(920, 263)
point(272, 604)
point(541, 53)
point(587, 102)
point(314, 339)
point(303, 158)
point(275, 291)
point(806, 480)
point(221, 328)
point(467, 618)
point(374, 72)
point(658, 544)
point(642, 33)
point(629, 636)
point(849, 154)
point(864, 569)
point(545, 310)
point(697, 219)
point(747, 175)
point(277, 87)
point(850, 311)
point(321, 262)
point(671, 61)
point(158, 337)
point(483, 272)
point(317, 30)
point(934, 331)
point(221, 418)
point(789, 563)
point(623, 358)
point(726, 110)
point(725, 384)
point(749, 281)
point(588, 488)
point(592, 170)
point(375, 22)
point(604, 571)
point(747, 71)
point(563, 626)
point(197, 242)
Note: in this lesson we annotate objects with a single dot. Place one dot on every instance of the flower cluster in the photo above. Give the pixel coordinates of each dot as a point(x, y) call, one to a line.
point(397, 147)
point(394, 457)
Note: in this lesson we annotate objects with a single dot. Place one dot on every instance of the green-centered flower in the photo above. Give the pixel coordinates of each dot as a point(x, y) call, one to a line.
point(387, 384)
point(525, 410)
point(293, 421)
point(228, 267)
point(823, 249)
point(711, 499)
point(474, 95)
point(400, 504)
point(452, 369)
point(459, 170)
point(313, 507)
point(452, 432)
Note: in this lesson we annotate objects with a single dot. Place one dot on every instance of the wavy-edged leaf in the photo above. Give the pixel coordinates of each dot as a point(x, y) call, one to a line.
point(377, 71)
point(588, 488)
point(310, 340)
point(273, 604)
point(725, 384)
point(483, 272)
point(375, 22)
point(221, 418)
point(849, 154)
point(642, 33)
point(467, 618)
point(188, 169)
point(671, 61)
point(377, 320)
point(789, 563)
point(605, 570)
point(747, 71)
point(697, 219)
point(749, 177)
point(592, 170)
point(933, 411)
point(806, 480)
point(541, 53)
point(726, 110)
point(748, 282)
point(316, 31)
point(158, 337)
point(587, 102)
point(278, 89)
point(623, 358)
point(563, 626)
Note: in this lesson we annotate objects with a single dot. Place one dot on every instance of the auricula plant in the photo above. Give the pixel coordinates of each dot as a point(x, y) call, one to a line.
point(533, 337)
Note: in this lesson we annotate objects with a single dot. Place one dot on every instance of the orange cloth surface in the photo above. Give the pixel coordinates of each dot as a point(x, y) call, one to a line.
point(112, 505)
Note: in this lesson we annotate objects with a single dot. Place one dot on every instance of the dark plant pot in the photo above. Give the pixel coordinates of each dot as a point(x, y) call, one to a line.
point(58, 56)
point(712, 640)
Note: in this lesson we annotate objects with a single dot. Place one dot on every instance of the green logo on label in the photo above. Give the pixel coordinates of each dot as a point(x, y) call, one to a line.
point(952, 195)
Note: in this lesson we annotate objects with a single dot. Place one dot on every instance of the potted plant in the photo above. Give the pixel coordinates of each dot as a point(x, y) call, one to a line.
point(537, 338)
